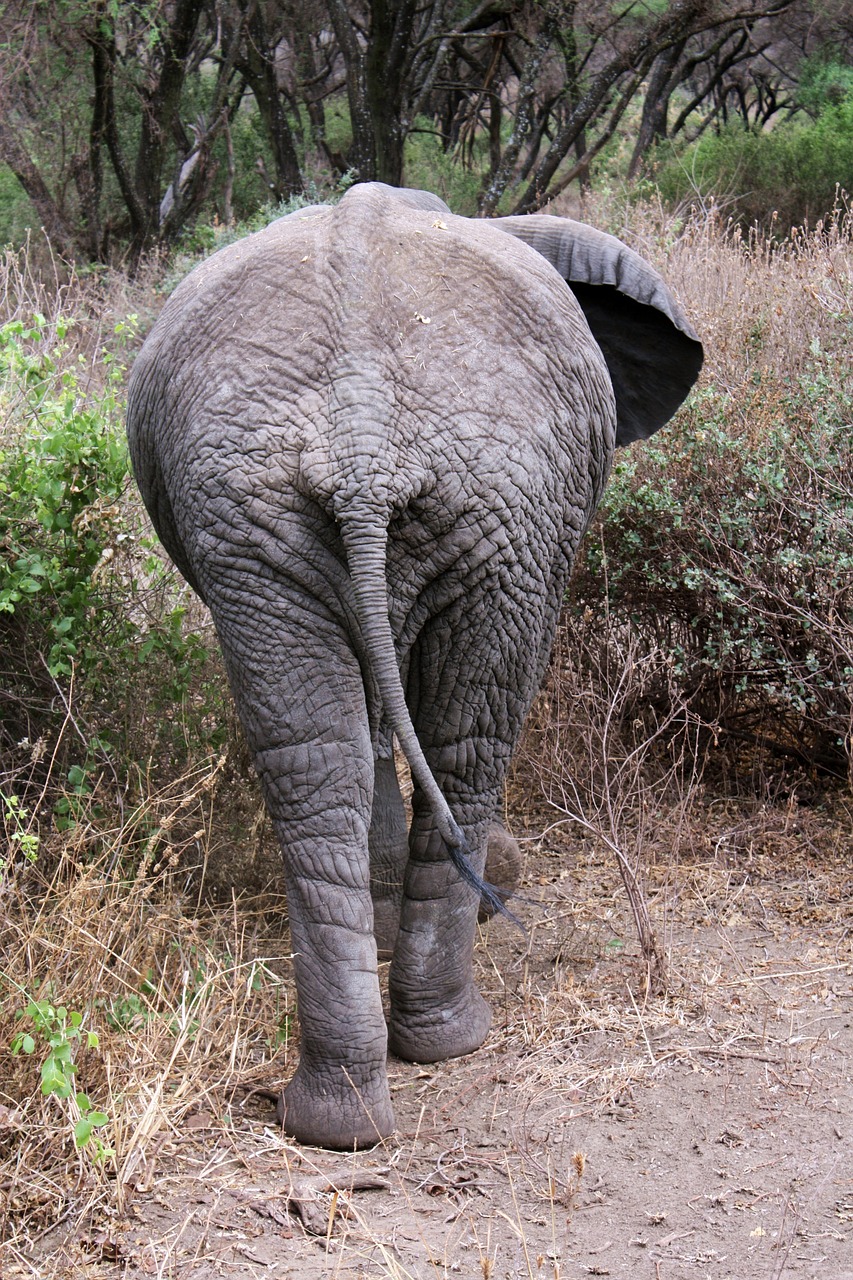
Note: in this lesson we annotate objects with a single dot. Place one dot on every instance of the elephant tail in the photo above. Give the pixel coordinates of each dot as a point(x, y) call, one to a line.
point(366, 556)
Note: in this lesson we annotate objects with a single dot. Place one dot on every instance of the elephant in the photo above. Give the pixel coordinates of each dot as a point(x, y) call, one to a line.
point(371, 437)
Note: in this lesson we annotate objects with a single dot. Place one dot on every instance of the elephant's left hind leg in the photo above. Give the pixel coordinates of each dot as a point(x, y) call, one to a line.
point(436, 1010)
point(468, 697)
point(300, 694)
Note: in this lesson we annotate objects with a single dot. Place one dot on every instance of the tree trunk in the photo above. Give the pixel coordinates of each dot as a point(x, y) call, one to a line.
point(375, 85)
point(16, 156)
point(160, 112)
point(362, 155)
point(390, 36)
point(524, 113)
point(635, 57)
point(258, 67)
point(104, 117)
point(306, 71)
point(653, 121)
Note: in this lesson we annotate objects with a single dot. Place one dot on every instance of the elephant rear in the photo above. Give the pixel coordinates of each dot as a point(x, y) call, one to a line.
point(372, 437)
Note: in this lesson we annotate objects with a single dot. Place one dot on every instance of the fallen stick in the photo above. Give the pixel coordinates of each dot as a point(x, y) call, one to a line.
point(304, 1195)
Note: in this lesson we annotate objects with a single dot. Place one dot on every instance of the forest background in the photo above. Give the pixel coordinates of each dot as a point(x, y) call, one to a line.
point(123, 125)
point(703, 678)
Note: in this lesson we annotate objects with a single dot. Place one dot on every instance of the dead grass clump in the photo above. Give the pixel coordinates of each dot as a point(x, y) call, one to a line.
point(608, 770)
point(176, 1008)
point(37, 283)
point(763, 308)
point(760, 304)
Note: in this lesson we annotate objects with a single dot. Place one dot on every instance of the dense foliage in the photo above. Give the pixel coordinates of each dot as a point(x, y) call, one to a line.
point(791, 175)
point(92, 625)
point(726, 547)
point(64, 469)
point(123, 124)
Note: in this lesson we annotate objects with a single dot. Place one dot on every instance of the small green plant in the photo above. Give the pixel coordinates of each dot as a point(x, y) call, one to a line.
point(126, 1012)
point(60, 1031)
point(76, 803)
point(16, 822)
point(260, 978)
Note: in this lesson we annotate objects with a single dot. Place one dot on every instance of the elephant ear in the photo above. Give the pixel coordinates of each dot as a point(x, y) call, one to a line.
point(651, 349)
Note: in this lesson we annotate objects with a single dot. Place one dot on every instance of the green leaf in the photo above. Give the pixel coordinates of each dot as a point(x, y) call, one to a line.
point(83, 1131)
point(54, 1081)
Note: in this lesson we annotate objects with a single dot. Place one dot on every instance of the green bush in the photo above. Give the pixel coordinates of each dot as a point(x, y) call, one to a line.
point(775, 179)
point(725, 547)
point(93, 624)
point(17, 214)
point(823, 81)
point(63, 470)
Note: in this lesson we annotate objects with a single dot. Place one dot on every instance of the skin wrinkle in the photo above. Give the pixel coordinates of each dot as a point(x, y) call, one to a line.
point(292, 402)
point(317, 577)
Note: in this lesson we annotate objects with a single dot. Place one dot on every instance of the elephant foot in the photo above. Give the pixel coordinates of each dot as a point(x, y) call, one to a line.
point(438, 1032)
point(320, 1112)
point(503, 867)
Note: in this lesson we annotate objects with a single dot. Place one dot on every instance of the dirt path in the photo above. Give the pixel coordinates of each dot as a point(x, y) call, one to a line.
point(705, 1134)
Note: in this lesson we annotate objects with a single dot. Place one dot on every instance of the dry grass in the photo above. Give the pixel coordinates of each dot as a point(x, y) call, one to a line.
point(188, 1003)
point(758, 304)
point(184, 1010)
point(38, 284)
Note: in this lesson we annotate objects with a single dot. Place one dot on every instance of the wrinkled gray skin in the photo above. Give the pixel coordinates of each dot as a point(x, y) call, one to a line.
point(371, 437)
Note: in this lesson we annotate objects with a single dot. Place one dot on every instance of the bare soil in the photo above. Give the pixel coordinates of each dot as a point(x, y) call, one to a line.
point(599, 1132)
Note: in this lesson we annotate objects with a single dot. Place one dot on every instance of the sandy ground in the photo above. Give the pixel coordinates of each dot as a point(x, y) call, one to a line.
point(708, 1133)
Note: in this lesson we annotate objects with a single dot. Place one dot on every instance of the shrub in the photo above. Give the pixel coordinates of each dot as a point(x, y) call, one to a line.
point(776, 179)
point(823, 81)
point(726, 547)
point(719, 566)
point(64, 468)
point(101, 674)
